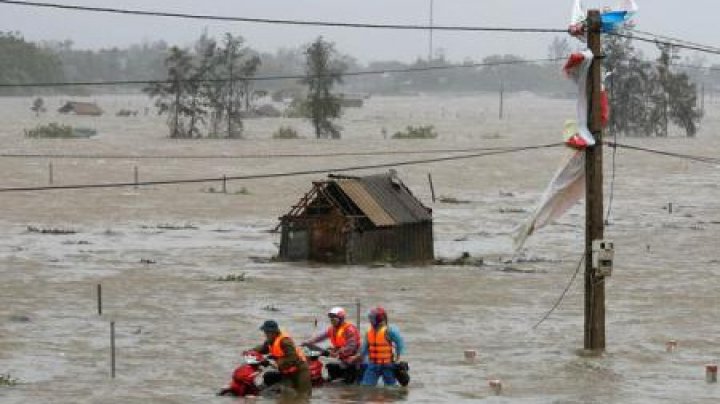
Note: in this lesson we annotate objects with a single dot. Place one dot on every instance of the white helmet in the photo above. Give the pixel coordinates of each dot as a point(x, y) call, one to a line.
point(338, 312)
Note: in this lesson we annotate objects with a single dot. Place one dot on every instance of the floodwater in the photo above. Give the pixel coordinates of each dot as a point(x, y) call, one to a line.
point(157, 251)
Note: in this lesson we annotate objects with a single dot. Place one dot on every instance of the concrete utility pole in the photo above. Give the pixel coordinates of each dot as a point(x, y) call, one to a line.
point(594, 284)
point(430, 45)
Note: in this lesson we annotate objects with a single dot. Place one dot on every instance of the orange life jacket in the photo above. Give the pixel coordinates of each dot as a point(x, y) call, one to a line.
point(337, 336)
point(380, 350)
point(277, 352)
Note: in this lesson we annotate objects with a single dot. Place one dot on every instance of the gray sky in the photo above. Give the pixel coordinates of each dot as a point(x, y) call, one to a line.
point(693, 20)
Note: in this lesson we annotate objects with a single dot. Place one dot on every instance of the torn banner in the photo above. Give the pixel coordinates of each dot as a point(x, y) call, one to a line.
point(577, 68)
point(565, 190)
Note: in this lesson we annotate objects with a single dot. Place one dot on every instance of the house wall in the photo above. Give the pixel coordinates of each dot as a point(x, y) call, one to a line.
point(407, 243)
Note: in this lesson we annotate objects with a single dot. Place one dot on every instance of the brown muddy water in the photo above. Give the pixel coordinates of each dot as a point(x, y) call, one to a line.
point(180, 332)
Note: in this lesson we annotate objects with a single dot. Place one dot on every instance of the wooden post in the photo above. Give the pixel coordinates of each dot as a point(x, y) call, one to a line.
point(176, 127)
point(702, 99)
point(594, 285)
point(136, 176)
point(432, 188)
point(50, 173)
point(357, 314)
point(224, 184)
point(99, 299)
point(112, 349)
point(502, 95)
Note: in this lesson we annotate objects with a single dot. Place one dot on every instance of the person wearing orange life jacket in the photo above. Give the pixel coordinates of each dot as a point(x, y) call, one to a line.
point(383, 347)
point(290, 360)
point(345, 343)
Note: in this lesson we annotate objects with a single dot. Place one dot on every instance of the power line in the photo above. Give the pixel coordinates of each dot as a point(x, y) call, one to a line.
point(279, 175)
point(674, 39)
point(245, 156)
point(562, 295)
point(699, 159)
point(702, 48)
point(280, 77)
point(275, 21)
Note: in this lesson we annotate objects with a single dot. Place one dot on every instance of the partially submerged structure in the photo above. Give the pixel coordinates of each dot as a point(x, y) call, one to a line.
point(357, 220)
point(81, 108)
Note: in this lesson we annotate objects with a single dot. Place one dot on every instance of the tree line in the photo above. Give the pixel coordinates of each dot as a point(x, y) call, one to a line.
point(207, 91)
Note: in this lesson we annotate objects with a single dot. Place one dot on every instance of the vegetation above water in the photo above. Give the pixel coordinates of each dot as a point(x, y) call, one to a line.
point(419, 132)
point(285, 132)
point(7, 380)
point(58, 131)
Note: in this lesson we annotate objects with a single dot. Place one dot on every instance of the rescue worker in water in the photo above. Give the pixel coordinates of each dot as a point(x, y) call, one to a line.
point(289, 358)
point(345, 343)
point(383, 347)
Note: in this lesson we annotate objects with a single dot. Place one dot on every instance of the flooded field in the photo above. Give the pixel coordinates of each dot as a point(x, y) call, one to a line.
point(158, 252)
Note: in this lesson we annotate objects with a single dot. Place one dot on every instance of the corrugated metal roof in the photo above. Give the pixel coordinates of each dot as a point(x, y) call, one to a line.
point(355, 190)
point(395, 198)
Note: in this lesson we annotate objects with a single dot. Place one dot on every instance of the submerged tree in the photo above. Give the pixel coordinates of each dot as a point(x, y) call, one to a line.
point(323, 69)
point(643, 98)
point(207, 83)
point(629, 85)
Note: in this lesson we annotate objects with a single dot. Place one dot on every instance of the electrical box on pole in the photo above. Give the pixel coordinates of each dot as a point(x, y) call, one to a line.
point(603, 253)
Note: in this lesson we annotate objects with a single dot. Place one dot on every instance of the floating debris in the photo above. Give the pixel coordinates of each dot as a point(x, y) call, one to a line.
point(176, 227)
point(449, 199)
point(270, 307)
point(147, 261)
point(15, 318)
point(506, 194)
point(512, 210)
point(233, 278)
point(76, 242)
point(33, 229)
point(464, 260)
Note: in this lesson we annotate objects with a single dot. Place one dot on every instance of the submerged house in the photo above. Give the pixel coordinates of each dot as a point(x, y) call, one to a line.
point(356, 220)
point(81, 108)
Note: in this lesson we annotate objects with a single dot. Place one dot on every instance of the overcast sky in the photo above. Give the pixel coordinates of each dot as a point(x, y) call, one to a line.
point(693, 20)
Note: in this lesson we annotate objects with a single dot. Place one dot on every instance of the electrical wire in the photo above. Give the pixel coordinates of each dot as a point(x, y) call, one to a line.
point(562, 295)
point(699, 159)
point(277, 21)
point(280, 77)
point(246, 156)
point(703, 48)
point(674, 39)
point(282, 174)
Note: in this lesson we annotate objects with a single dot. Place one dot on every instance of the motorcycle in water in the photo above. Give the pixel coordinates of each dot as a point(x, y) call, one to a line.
point(244, 379)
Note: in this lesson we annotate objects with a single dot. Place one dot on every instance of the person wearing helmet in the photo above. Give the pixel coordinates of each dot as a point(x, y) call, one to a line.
point(344, 345)
point(383, 347)
point(289, 358)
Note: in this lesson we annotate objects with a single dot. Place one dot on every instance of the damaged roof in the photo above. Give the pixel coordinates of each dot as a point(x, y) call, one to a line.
point(384, 199)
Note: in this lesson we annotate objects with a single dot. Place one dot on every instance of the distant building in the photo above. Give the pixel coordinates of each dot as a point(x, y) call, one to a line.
point(81, 108)
point(356, 220)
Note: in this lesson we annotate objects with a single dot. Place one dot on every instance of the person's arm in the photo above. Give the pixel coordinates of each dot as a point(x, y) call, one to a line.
point(263, 349)
point(397, 340)
point(319, 337)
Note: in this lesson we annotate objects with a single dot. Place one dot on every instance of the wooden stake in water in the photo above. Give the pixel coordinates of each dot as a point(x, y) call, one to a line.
point(224, 184)
point(112, 349)
point(670, 207)
point(136, 176)
point(50, 173)
point(99, 299)
point(432, 188)
point(357, 313)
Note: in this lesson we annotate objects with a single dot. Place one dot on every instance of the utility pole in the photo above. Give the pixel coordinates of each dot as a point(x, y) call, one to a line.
point(430, 45)
point(594, 284)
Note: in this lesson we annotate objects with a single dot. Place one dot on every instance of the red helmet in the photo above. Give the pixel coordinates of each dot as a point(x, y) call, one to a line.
point(252, 357)
point(377, 315)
